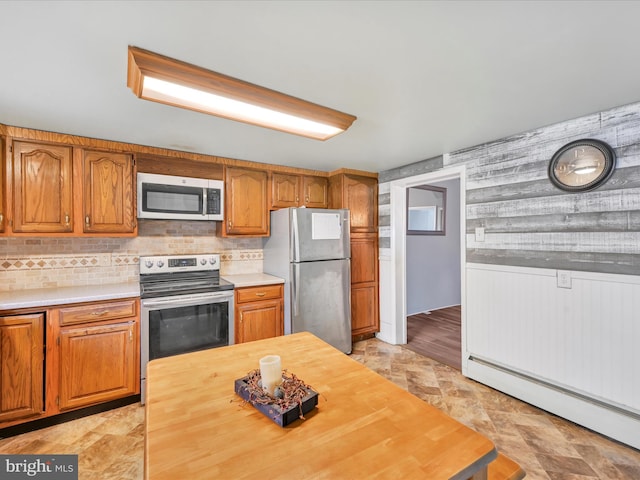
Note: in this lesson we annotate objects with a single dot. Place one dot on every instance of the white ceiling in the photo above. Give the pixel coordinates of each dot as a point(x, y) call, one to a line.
point(423, 77)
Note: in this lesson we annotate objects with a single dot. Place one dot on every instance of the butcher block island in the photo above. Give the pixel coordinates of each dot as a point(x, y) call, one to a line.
point(363, 427)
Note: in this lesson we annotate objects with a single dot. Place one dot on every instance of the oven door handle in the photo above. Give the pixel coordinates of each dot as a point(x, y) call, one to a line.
point(185, 299)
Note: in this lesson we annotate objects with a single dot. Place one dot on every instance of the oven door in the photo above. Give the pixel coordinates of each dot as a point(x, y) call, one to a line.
point(182, 324)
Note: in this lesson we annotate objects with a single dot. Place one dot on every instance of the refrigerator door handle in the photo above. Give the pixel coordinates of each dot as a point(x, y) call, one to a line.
point(294, 235)
point(295, 294)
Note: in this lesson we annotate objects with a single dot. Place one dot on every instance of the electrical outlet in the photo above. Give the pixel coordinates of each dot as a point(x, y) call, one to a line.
point(564, 278)
point(479, 234)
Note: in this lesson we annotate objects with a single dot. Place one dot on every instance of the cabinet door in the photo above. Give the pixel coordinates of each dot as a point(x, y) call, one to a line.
point(108, 193)
point(42, 188)
point(259, 320)
point(3, 169)
point(21, 366)
point(97, 364)
point(361, 198)
point(315, 192)
point(246, 211)
point(364, 309)
point(364, 283)
point(285, 190)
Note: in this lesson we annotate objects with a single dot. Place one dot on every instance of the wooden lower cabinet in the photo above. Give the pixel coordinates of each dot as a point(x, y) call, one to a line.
point(258, 313)
point(21, 366)
point(364, 314)
point(68, 357)
point(364, 284)
point(97, 364)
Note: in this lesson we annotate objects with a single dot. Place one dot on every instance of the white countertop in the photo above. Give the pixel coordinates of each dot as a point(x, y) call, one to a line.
point(45, 297)
point(252, 279)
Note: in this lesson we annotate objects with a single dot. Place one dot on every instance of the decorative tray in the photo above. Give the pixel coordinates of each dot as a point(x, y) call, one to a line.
point(282, 411)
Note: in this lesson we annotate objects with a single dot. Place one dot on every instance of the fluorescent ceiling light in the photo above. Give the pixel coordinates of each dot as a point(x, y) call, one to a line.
point(172, 82)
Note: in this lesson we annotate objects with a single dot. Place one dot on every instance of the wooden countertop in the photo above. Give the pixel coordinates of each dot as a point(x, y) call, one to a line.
point(364, 426)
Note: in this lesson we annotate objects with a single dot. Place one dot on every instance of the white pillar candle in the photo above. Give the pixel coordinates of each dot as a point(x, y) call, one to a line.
point(270, 372)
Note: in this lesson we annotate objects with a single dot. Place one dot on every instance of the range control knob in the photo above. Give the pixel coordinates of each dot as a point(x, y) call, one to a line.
point(203, 261)
point(148, 263)
point(213, 260)
point(160, 263)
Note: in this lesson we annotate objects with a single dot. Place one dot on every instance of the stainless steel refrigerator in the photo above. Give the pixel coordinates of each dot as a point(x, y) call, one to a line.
point(310, 249)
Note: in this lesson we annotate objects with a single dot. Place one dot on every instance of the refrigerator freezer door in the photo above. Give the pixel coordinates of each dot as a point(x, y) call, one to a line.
point(320, 301)
point(319, 234)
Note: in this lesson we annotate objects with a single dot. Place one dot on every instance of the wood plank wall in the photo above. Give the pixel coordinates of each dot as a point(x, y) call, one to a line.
point(527, 221)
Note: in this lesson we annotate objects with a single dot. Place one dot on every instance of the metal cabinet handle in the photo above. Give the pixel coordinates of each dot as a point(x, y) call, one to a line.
point(130, 334)
point(1, 218)
point(100, 313)
point(229, 224)
point(87, 220)
point(67, 219)
point(260, 294)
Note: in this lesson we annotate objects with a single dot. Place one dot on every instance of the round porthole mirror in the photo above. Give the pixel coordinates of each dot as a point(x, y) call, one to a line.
point(582, 165)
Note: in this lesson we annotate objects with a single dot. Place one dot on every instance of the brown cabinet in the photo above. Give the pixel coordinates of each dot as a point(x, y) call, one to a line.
point(109, 205)
point(97, 363)
point(98, 353)
point(58, 191)
point(298, 190)
point(364, 283)
point(88, 354)
point(246, 210)
point(21, 366)
point(315, 192)
point(3, 188)
point(258, 313)
point(359, 193)
point(42, 188)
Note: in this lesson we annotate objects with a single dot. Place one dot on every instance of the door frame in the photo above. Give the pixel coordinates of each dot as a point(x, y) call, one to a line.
point(398, 200)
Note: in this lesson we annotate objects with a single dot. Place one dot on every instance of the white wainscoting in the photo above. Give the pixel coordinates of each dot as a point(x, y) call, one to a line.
point(387, 298)
point(572, 351)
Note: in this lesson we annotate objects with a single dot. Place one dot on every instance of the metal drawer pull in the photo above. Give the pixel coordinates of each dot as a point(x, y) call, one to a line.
point(260, 294)
point(99, 313)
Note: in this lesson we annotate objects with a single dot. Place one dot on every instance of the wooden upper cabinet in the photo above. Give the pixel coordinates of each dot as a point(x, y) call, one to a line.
point(360, 195)
point(246, 209)
point(21, 366)
point(42, 188)
point(315, 191)
point(285, 190)
point(3, 169)
point(298, 190)
point(109, 205)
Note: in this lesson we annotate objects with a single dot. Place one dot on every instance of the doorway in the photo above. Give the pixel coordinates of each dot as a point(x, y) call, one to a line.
point(398, 264)
point(433, 271)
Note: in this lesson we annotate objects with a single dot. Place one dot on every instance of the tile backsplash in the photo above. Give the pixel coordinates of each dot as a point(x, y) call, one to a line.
point(39, 262)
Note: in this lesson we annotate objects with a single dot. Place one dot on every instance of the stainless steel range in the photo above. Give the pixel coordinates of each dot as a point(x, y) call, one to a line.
point(185, 307)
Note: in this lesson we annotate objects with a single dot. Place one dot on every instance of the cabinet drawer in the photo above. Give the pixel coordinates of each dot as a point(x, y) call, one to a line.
point(97, 312)
point(253, 294)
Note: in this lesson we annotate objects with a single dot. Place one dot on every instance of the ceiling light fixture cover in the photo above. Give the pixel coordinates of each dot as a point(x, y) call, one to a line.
point(162, 79)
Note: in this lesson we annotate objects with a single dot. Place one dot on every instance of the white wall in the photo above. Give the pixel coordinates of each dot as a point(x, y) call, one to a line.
point(433, 261)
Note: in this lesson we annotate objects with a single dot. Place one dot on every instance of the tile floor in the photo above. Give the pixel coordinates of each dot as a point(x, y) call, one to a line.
point(110, 444)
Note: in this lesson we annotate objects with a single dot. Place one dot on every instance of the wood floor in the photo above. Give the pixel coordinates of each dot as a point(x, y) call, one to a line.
point(437, 335)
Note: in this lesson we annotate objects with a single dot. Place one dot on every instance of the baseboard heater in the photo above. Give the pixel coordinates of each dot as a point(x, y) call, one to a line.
point(567, 391)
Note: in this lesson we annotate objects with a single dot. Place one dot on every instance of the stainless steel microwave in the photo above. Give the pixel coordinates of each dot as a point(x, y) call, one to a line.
point(180, 198)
